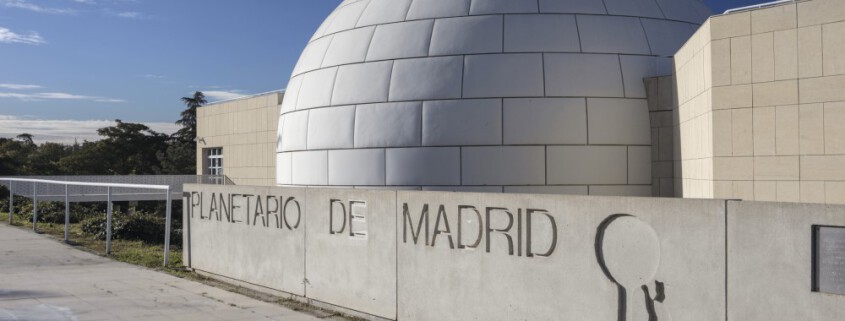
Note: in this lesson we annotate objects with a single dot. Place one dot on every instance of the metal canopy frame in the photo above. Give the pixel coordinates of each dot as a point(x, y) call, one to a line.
point(109, 193)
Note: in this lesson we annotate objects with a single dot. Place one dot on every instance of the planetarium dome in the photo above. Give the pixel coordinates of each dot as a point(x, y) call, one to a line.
point(542, 96)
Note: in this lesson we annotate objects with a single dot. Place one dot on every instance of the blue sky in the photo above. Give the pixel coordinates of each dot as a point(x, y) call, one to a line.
point(79, 62)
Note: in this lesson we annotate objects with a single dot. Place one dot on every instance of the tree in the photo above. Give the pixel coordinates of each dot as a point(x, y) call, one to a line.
point(189, 116)
point(180, 156)
point(13, 156)
point(26, 138)
point(44, 160)
point(126, 149)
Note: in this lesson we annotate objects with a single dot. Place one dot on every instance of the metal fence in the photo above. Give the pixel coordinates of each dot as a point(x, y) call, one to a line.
point(97, 192)
point(104, 188)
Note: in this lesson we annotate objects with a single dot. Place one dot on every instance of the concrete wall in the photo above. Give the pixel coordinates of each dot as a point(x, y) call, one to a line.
point(761, 105)
point(246, 130)
point(410, 255)
point(770, 248)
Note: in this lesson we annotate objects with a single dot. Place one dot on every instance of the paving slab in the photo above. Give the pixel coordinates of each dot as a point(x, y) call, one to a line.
point(42, 279)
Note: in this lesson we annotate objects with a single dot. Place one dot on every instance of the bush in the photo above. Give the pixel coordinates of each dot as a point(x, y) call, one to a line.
point(145, 227)
point(51, 212)
point(54, 212)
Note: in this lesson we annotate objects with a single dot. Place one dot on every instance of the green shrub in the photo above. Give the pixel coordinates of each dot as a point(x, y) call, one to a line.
point(48, 212)
point(145, 227)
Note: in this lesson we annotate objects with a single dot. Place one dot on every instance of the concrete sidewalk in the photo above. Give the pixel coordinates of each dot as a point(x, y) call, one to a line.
point(42, 279)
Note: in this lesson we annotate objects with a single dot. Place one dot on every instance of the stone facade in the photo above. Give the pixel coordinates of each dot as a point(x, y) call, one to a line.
point(246, 131)
point(481, 95)
point(761, 98)
point(662, 107)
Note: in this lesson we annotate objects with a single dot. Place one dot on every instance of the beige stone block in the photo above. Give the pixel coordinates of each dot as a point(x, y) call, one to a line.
point(730, 25)
point(764, 130)
point(733, 168)
point(787, 130)
point(639, 165)
point(788, 192)
point(741, 132)
point(812, 192)
point(723, 189)
point(834, 192)
point(721, 62)
point(786, 54)
point(784, 92)
point(722, 133)
point(823, 168)
point(834, 128)
point(666, 93)
point(833, 48)
point(620, 190)
point(660, 119)
point(729, 97)
point(655, 142)
point(707, 66)
point(741, 60)
point(811, 124)
point(666, 144)
point(823, 89)
point(820, 11)
point(651, 92)
point(743, 190)
point(772, 19)
point(763, 57)
point(810, 52)
point(662, 169)
point(667, 187)
point(776, 168)
point(765, 191)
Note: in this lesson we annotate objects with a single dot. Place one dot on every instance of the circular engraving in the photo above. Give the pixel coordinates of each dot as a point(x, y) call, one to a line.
point(630, 250)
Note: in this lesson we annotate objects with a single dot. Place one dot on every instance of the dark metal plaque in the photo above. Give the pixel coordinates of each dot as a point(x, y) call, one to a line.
point(829, 259)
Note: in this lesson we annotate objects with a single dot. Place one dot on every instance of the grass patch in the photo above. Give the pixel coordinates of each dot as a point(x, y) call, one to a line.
point(132, 252)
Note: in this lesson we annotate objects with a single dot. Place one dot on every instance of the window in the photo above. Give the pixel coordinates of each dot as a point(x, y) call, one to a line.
point(214, 161)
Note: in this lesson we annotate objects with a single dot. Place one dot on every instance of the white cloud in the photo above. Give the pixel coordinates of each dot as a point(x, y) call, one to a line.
point(26, 5)
point(85, 1)
point(65, 131)
point(58, 96)
point(154, 76)
point(32, 38)
point(129, 15)
point(19, 86)
point(218, 95)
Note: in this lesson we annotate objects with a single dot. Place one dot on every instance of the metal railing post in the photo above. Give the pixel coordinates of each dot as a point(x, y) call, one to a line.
point(67, 215)
point(167, 228)
point(34, 206)
point(108, 222)
point(11, 201)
